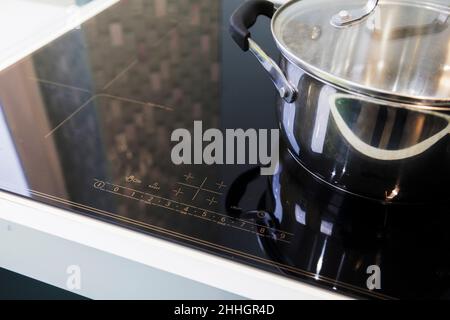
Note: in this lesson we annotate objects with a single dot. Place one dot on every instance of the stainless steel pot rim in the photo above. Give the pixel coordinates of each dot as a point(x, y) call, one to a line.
point(422, 102)
point(393, 104)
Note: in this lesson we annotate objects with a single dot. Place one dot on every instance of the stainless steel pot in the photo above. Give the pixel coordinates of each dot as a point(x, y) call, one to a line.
point(364, 91)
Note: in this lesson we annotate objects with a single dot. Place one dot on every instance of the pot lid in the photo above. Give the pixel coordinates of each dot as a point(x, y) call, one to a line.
point(393, 49)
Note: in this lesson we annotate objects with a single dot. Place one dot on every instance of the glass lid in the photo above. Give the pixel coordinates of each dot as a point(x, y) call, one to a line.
point(395, 50)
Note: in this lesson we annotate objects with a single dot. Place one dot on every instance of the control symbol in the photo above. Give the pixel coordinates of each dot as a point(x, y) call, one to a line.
point(178, 192)
point(188, 177)
point(99, 184)
point(211, 201)
point(154, 186)
point(221, 185)
point(132, 179)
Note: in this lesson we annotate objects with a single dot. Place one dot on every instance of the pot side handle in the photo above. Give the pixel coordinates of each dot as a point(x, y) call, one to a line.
point(244, 18)
point(378, 153)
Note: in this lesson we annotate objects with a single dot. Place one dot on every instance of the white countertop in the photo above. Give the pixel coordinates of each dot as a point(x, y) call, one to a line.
point(42, 242)
point(27, 25)
point(71, 239)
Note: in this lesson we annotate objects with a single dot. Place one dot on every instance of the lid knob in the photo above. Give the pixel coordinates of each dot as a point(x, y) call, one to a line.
point(346, 17)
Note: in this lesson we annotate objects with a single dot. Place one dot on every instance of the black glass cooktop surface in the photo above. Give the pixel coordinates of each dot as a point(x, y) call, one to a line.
point(85, 125)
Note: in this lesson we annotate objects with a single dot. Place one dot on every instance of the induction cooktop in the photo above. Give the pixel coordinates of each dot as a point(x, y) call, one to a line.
point(88, 119)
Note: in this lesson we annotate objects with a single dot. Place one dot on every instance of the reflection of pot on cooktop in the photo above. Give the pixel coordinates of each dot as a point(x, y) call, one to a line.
point(336, 237)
